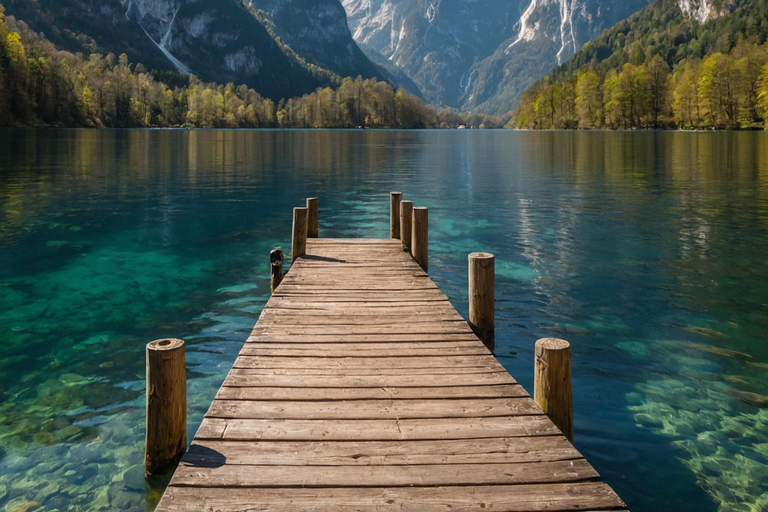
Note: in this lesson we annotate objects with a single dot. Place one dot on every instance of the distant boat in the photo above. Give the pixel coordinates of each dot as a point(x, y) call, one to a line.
point(462, 127)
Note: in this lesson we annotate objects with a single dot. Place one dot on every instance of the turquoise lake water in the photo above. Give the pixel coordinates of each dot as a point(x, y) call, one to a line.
point(647, 251)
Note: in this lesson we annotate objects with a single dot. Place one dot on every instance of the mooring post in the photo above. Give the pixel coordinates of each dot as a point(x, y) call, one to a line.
point(166, 437)
point(552, 383)
point(276, 257)
point(394, 214)
point(481, 296)
point(420, 236)
point(299, 234)
point(406, 224)
point(313, 217)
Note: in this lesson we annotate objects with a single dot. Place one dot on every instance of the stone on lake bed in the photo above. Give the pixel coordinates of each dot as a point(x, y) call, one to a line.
point(134, 478)
point(753, 399)
point(25, 506)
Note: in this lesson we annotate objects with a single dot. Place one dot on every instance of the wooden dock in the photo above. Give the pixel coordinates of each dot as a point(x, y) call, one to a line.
point(361, 388)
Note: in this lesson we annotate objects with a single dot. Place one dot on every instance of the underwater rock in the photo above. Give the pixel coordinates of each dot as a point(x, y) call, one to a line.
point(748, 398)
point(134, 478)
point(634, 349)
point(704, 331)
point(725, 352)
point(27, 506)
point(3, 492)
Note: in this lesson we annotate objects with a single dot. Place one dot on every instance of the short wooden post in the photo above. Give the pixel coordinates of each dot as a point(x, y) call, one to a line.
point(481, 296)
point(276, 257)
point(552, 383)
point(406, 224)
point(299, 234)
point(166, 437)
point(394, 214)
point(313, 217)
point(420, 236)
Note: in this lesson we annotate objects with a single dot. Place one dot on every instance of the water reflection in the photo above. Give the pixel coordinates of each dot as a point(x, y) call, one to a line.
point(646, 250)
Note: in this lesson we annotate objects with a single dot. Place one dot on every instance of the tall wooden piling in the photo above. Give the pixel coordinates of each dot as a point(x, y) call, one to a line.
point(313, 217)
point(420, 236)
point(406, 224)
point(166, 437)
point(552, 383)
point(481, 296)
point(394, 214)
point(299, 233)
point(276, 257)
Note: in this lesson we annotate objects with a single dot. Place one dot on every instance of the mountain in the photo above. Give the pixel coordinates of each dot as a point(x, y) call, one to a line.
point(479, 54)
point(281, 48)
point(684, 63)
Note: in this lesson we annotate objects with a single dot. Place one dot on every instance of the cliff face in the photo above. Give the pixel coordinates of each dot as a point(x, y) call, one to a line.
point(240, 41)
point(480, 54)
point(318, 31)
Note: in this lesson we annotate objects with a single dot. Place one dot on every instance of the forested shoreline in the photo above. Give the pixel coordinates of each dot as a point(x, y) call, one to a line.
point(41, 85)
point(661, 68)
point(722, 91)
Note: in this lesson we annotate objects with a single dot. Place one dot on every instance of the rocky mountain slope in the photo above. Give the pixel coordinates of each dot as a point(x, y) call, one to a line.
point(480, 54)
point(280, 47)
point(675, 63)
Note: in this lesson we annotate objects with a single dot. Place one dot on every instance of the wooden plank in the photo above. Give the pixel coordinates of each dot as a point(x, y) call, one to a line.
point(375, 430)
point(244, 361)
point(322, 379)
point(352, 337)
point(446, 373)
point(452, 321)
point(373, 409)
point(428, 328)
point(253, 389)
point(384, 476)
point(563, 497)
point(382, 453)
point(354, 350)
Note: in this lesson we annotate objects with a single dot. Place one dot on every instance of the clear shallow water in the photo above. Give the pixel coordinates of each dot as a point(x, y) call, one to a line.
point(648, 251)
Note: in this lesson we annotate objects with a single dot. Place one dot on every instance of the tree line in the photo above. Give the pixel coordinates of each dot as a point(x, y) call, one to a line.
point(42, 85)
point(721, 91)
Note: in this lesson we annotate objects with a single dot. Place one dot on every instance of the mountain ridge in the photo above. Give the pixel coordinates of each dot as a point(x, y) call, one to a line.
point(479, 54)
point(217, 40)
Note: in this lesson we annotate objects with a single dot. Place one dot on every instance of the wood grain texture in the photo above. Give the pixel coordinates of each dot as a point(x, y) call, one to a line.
point(362, 389)
point(166, 434)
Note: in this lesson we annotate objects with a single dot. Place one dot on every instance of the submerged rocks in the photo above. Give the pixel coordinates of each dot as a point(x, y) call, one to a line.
point(134, 478)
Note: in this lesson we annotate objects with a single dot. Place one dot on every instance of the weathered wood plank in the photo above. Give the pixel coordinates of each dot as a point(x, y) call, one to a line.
point(585, 496)
point(373, 409)
point(244, 361)
point(251, 391)
point(384, 476)
point(285, 350)
point(382, 453)
point(378, 379)
point(351, 337)
point(375, 430)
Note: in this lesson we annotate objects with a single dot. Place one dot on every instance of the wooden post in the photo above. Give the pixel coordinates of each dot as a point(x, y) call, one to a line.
point(276, 257)
point(313, 218)
point(299, 234)
point(481, 295)
point(552, 383)
point(394, 214)
point(166, 437)
point(406, 224)
point(420, 236)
